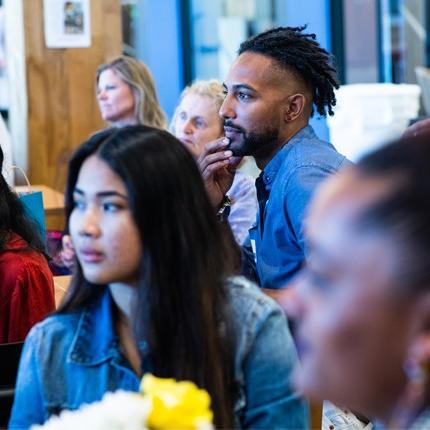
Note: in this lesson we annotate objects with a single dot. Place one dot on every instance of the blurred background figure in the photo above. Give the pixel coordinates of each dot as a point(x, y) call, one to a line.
point(26, 283)
point(126, 94)
point(364, 296)
point(196, 121)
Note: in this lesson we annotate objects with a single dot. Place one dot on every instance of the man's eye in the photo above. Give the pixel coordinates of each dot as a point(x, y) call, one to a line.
point(243, 96)
point(182, 116)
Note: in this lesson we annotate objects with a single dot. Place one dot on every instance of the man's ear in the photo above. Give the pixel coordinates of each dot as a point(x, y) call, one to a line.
point(295, 107)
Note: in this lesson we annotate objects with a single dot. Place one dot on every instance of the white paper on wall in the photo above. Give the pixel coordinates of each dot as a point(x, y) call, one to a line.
point(67, 23)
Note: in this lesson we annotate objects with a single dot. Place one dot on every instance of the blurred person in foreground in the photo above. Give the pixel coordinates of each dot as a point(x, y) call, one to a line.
point(195, 123)
point(363, 300)
point(26, 283)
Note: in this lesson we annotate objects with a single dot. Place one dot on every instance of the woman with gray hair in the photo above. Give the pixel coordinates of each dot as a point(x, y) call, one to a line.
point(195, 123)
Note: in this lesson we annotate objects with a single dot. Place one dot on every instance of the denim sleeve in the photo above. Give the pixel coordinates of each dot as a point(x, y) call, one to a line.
point(28, 403)
point(300, 188)
point(272, 402)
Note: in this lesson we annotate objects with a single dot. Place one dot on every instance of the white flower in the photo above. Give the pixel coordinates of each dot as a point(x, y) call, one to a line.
point(121, 410)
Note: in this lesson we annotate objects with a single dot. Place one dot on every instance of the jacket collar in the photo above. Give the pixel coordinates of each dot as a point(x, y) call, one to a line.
point(95, 340)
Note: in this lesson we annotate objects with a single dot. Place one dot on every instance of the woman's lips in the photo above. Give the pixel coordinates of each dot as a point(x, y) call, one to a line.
point(89, 255)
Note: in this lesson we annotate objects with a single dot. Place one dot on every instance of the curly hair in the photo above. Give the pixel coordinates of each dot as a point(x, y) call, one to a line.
point(302, 55)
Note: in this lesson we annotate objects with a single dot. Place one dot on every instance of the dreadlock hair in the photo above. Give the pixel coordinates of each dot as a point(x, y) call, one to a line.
point(302, 55)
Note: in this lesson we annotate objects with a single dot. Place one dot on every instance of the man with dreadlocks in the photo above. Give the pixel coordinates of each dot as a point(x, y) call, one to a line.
point(278, 80)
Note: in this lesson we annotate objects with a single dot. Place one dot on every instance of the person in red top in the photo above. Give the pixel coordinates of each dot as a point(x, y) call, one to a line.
point(26, 283)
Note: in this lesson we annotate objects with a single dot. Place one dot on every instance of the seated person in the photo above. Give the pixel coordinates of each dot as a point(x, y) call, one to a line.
point(364, 298)
point(196, 122)
point(26, 284)
point(153, 291)
point(126, 95)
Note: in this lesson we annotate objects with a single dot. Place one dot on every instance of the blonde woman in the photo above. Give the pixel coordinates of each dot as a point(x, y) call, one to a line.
point(126, 94)
point(195, 123)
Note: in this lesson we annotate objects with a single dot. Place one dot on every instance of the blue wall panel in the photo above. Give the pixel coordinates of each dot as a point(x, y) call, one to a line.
point(316, 14)
point(159, 45)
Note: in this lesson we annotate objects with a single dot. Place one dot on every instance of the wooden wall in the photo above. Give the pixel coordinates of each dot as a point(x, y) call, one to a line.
point(62, 108)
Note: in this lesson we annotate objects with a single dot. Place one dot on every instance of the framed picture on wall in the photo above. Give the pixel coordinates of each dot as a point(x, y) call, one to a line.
point(67, 23)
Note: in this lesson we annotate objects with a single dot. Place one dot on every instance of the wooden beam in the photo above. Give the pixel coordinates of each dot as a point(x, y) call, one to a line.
point(61, 104)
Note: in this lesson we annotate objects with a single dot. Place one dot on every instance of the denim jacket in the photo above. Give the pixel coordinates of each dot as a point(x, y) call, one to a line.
point(74, 358)
point(291, 177)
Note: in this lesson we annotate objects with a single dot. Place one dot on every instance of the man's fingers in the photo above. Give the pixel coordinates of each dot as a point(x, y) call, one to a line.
point(234, 162)
point(214, 146)
point(214, 158)
point(213, 168)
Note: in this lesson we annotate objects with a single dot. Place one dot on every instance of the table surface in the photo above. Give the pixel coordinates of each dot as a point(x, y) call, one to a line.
point(61, 284)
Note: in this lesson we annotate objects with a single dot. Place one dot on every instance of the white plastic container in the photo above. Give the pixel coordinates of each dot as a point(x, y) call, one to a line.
point(369, 115)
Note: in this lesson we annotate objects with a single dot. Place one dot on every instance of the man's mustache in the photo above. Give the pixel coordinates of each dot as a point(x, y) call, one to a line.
point(229, 123)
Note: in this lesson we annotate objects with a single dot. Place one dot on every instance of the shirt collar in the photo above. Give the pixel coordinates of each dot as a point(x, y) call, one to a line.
point(273, 166)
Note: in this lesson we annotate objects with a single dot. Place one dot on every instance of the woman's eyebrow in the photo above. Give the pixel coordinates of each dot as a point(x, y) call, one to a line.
point(108, 193)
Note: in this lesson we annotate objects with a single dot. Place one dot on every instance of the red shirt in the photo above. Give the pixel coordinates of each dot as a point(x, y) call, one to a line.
point(26, 290)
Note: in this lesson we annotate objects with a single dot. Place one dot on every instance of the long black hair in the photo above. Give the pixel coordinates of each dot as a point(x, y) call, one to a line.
point(14, 219)
point(183, 303)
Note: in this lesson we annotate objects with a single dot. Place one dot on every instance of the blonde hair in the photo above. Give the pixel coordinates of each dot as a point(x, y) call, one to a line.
point(136, 74)
point(212, 89)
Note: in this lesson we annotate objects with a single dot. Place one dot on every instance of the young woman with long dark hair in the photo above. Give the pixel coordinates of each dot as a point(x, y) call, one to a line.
point(153, 292)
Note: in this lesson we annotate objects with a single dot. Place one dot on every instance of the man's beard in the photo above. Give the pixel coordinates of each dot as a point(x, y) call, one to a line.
point(253, 143)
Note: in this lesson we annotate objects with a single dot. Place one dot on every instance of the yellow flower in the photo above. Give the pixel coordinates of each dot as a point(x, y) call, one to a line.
point(176, 405)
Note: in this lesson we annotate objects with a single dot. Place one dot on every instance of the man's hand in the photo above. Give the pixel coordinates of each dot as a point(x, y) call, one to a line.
point(218, 167)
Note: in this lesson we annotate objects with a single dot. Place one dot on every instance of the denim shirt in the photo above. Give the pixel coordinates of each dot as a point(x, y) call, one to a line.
point(291, 177)
point(71, 359)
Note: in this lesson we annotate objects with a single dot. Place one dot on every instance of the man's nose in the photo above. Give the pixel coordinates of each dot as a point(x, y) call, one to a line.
point(226, 111)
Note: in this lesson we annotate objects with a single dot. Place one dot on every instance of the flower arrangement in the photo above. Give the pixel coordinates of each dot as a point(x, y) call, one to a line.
point(161, 404)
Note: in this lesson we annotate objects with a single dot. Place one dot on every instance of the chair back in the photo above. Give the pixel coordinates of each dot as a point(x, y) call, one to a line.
point(10, 354)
